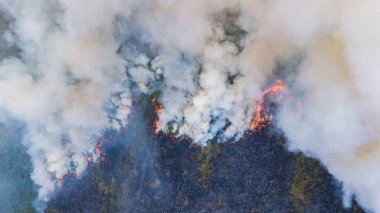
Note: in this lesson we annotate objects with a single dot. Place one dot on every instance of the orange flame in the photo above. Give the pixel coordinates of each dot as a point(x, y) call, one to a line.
point(156, 120)
point(263, 115)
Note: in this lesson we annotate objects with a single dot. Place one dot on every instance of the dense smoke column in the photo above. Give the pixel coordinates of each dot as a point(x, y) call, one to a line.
point(62, 83)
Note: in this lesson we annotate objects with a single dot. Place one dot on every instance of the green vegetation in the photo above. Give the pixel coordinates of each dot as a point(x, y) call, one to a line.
point(307, 174)
point(208, 154)
point(109, 191)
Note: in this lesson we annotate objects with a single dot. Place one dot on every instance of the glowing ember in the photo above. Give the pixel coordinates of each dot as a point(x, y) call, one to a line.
point(90, 158)
point(61, 181)
point(156, 122)
point(100, 153)
point(264, 111)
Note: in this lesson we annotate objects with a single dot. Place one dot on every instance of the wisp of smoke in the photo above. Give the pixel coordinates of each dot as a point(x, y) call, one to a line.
point(209, 59)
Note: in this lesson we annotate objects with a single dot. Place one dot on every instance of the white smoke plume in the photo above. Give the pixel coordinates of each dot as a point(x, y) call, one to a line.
point(60, 86)
point(209, 60)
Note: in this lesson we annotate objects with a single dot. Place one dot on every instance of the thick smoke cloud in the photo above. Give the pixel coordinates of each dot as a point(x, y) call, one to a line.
point(209, 60)
point(60, 85)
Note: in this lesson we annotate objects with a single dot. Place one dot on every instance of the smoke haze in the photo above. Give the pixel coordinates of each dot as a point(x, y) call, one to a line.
point(79, 62)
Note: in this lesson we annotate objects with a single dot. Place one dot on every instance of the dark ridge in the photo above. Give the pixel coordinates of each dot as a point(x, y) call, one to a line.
point(144, 172)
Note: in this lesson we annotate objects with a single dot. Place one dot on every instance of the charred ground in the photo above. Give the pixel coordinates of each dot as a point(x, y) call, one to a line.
point(147, 172)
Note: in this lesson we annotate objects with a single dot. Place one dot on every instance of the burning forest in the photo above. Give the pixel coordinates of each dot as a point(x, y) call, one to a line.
point(179, 106)
point(267, 105)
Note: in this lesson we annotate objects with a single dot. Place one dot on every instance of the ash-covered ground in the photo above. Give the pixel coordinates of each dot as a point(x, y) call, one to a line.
point(147, 172)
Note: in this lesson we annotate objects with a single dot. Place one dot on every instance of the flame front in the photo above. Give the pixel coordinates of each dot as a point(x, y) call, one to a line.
point(157, 108)
point(263, 113)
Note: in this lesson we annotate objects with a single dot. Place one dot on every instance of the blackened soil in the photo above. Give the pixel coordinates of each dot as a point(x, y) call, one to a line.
point(144, 172)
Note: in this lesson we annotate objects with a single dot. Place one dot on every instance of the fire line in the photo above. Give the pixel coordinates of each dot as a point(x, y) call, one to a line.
point(264, 113)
